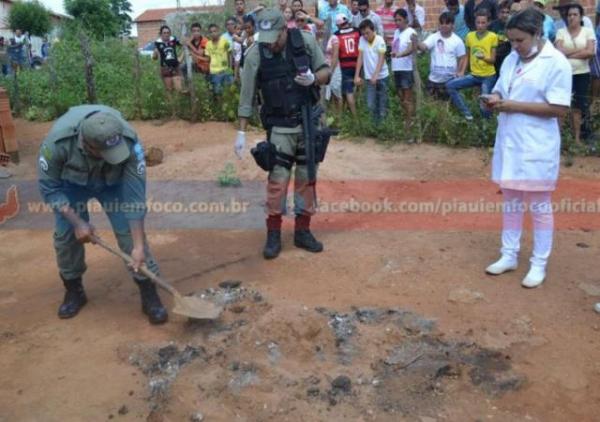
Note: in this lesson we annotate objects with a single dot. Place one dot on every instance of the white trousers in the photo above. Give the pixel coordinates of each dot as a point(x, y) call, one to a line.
point(516, 202)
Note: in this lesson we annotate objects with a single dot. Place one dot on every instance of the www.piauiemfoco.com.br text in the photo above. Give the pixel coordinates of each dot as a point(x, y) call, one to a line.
point(440, 206)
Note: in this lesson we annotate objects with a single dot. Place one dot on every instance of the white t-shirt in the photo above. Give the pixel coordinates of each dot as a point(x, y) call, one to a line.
point(444, 56)
point(400, 44)
point(419, 11)
point(237, 52)
point(560, 23)
point(580, 41)
point(371, 53)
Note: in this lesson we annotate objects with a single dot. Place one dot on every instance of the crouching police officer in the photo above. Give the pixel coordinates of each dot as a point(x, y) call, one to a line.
point(92, 152)
point(287, 67)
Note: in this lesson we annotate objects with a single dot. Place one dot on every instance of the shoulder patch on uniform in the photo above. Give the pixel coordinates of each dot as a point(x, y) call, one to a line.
point(141, 168)
point(46, 152)
point(43, 164)
point(138, 150)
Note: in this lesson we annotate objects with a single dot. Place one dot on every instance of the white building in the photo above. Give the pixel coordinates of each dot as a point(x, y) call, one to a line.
point(7, 33)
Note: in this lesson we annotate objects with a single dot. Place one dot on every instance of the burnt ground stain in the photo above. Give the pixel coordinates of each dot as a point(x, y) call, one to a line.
point(414, 371)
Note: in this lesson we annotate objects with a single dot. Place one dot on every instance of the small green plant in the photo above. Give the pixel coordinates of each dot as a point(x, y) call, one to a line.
point(228, 177)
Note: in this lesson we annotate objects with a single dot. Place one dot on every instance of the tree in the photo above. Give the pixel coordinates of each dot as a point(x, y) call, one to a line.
point(95, 16)
point(121, 9)
point(30, 17)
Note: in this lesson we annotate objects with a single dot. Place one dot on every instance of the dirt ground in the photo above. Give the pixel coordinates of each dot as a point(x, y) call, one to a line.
point(394, 321)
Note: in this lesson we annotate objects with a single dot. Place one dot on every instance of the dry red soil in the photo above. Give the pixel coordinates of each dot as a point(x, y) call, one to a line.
point(398, 303)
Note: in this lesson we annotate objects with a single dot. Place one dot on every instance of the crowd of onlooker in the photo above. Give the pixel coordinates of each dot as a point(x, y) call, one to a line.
point(16, 53)
point(369, 47)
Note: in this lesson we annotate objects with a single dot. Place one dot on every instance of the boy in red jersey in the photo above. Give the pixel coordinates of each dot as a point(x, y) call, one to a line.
point(345, 52)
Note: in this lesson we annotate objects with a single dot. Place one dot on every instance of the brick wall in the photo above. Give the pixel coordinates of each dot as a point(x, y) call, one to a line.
point(433, 8)
point(147, 31)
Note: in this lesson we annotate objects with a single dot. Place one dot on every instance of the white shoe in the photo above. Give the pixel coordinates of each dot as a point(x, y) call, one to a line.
point(5, 174)
point(534, 277)
point(503, 265)
point(597, 307)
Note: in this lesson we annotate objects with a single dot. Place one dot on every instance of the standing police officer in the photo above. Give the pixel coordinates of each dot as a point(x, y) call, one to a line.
point(92, 152)
point(287, 67)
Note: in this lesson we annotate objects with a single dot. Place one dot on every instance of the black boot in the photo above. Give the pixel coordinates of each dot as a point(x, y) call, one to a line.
point(304, 239)
point(74, 300)
point(151, 304)
point(273, 245)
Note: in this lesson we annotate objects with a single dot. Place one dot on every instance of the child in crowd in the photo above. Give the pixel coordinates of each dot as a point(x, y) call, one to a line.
point(371, 58)
point(448, 56)
point(345, 53)
point(250, 37)
point(403, 48)
point(218, 48)
point(481, 48)
point(288, 15)
point(197, 46)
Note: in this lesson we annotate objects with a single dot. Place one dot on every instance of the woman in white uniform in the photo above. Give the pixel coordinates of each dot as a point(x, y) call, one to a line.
point(532, 93)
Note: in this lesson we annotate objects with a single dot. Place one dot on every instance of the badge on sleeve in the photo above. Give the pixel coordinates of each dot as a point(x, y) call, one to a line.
point(138, 150)
point(43, 164)
point(46, 152)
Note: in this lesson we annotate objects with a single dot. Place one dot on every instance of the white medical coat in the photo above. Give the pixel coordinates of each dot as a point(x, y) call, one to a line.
point(527, 148)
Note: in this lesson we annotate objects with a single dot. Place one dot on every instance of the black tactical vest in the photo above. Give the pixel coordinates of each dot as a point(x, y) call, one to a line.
point(282, 97)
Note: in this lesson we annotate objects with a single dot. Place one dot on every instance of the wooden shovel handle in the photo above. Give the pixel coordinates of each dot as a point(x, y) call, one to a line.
point(143, 269)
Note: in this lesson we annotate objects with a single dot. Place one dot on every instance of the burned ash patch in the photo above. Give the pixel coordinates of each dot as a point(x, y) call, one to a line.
point(162, 365)
point(262, 360)
point(416, 374)
point(345, 326)
point(415, 367)
point(231, 292)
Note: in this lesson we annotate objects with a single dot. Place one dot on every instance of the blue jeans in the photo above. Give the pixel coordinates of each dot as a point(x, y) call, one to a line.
point(377, 98)
point(220, 80)
point(469, 81)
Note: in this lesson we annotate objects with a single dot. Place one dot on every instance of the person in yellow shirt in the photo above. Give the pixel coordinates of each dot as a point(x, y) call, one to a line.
point(481, 52)
point(218, 48)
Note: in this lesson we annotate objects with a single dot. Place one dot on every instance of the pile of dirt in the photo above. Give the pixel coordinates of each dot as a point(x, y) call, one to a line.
point(378, 360)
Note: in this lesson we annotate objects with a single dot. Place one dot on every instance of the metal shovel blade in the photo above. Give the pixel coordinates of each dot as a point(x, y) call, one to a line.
point(196, 308)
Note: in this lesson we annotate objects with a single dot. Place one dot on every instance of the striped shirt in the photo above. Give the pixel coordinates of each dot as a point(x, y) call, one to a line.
point(389, 24)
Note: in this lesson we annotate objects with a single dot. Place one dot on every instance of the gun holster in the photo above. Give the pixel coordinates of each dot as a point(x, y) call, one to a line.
point(265, 155)
point(321, 144)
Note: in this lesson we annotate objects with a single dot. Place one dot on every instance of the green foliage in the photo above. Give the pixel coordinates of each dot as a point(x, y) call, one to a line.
point(121, 9)
point(434, 121)
point(30, 17)
point(228, 177)
point(96, 17)
point(47, 93)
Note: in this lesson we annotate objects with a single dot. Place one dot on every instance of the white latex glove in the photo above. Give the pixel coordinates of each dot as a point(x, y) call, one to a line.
point(305, 79)
point(240, 143)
